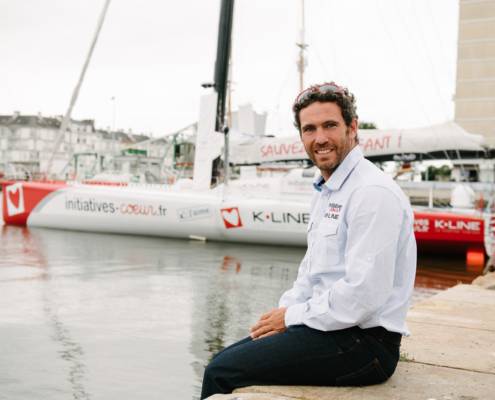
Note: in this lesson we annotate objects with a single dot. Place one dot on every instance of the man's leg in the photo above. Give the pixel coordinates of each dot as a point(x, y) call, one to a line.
point(301, 356)
point(228, 348)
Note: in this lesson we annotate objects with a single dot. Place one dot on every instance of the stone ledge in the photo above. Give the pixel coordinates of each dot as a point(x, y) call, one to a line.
point(410, 382)
point(486, 281)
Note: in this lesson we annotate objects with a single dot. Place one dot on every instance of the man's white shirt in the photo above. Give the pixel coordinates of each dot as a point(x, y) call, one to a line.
point(360, 263)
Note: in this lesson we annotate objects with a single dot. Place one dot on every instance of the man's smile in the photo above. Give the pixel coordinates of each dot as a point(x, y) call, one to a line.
point(323, 151)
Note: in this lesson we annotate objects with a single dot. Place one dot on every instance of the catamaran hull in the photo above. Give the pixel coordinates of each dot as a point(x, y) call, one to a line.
point(155, 213)
point(204, 215)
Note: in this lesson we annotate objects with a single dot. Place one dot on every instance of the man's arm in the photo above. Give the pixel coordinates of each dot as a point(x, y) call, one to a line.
point(301, 289)
point(273, 321)
point(374, 220)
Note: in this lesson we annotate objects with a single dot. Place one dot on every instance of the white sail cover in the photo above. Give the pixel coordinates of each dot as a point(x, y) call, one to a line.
point(374, 142)
point(208, 142)
point(435, 138)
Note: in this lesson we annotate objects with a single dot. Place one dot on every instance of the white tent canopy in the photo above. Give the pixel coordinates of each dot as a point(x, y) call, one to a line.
point(374, 142)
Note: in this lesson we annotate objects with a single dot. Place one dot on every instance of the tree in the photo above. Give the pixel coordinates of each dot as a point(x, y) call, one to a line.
point(437, 173)
point(367, 125)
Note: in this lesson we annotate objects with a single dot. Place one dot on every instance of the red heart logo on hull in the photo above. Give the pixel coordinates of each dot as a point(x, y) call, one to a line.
point(14, 196)
point(231, 217)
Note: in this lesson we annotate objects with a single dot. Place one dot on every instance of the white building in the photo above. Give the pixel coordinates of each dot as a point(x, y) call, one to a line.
point(27, 143)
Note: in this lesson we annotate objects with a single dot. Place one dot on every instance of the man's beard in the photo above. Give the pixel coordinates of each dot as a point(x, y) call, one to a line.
point(340, 152)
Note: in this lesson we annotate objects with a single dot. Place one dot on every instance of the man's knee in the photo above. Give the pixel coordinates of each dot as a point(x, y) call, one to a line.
point(212, 370)
point(228, 369)
point(212, 381)
point(219, 373)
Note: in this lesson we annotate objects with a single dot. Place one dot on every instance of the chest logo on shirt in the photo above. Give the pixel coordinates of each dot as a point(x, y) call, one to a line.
point(333, 211)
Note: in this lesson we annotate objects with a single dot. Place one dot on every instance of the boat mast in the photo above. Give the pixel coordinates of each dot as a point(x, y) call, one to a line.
point(229, 95)
point(75, 93)
point(222, 75)
point(301, 63)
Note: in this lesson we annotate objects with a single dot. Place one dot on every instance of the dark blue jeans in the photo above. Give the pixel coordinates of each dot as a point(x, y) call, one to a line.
point(305, 356)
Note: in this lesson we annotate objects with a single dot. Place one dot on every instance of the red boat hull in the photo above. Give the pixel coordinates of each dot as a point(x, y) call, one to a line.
point(438, 232)
point(20, 198)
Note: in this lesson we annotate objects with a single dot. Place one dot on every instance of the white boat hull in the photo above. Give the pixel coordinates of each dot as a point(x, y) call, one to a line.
point(185, 214)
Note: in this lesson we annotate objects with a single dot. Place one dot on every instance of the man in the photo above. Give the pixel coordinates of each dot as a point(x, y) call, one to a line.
point(342, 321)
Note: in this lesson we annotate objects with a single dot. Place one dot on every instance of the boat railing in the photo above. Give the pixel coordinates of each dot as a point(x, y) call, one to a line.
point(445, 194)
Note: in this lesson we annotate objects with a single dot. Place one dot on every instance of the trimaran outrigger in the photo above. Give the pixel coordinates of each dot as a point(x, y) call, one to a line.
point(264, 210)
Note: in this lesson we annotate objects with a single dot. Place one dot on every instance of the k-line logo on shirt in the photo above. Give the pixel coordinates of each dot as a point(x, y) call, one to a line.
point(333, 211)
point(15, 199)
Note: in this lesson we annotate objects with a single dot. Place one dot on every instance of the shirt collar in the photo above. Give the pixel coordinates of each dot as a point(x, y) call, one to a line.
point(342, 172)
point(318, 183)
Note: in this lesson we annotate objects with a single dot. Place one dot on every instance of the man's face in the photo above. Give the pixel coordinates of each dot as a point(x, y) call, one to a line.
point(325, 136)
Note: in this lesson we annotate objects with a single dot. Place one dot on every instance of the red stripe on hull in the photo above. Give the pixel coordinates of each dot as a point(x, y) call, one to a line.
point(442, 232)
point(20, 198)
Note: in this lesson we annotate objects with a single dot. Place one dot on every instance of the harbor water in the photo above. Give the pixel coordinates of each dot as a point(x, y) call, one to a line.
point(99, 316)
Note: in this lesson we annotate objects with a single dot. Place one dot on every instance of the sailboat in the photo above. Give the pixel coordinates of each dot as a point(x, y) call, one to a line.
point(261, 210)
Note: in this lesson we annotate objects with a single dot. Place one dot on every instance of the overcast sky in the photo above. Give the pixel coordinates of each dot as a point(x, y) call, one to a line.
point(397, 56)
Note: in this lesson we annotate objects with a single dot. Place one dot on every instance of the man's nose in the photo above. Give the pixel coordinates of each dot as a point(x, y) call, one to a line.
point(321, 137)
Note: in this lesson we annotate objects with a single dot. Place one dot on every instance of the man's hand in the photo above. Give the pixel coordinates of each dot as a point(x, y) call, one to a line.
point(270, 323)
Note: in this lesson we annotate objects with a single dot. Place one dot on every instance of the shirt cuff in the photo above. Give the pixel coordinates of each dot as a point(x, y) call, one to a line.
point(294, 314)
point(283, 303)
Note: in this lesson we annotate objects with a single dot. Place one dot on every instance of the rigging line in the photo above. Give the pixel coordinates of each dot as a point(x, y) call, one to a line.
point(314, 47)
point(435, 128)
point(430, 61)
point(279, 96)
point(67, 117)
point(440, 41)
point(282, 87)
point(402, 66)
point(426, 52)
point(318, 57)
point(314, 50)
point(443, 104)
point(6, 87)
point(277, 100)
point(329, 4)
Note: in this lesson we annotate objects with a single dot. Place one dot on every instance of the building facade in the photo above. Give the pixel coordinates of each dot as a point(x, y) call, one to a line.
point(27, 143)
point(475, 89)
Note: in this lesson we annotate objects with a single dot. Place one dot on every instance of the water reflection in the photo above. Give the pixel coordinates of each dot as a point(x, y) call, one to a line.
point(126, 317)
point(20, 247)
point(70, 350)
point(442, 272)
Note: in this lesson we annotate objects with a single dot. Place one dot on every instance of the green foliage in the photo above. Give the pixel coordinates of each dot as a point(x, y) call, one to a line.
point(437, 173)
point(367, 125)
point(405, 357)
point(137, 152)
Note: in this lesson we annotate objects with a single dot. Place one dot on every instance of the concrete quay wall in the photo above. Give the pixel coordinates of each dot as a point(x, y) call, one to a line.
point(450, 354)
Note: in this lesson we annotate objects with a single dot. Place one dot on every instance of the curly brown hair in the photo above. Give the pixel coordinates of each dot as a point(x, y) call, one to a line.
point(341, 96)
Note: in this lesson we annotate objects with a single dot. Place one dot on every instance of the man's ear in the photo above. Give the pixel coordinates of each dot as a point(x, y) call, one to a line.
point(353, 129)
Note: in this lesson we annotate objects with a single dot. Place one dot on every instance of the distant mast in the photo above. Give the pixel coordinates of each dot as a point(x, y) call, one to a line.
point(222, 60)
point(222, 74)
point(301, 62)
point(75, 93)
